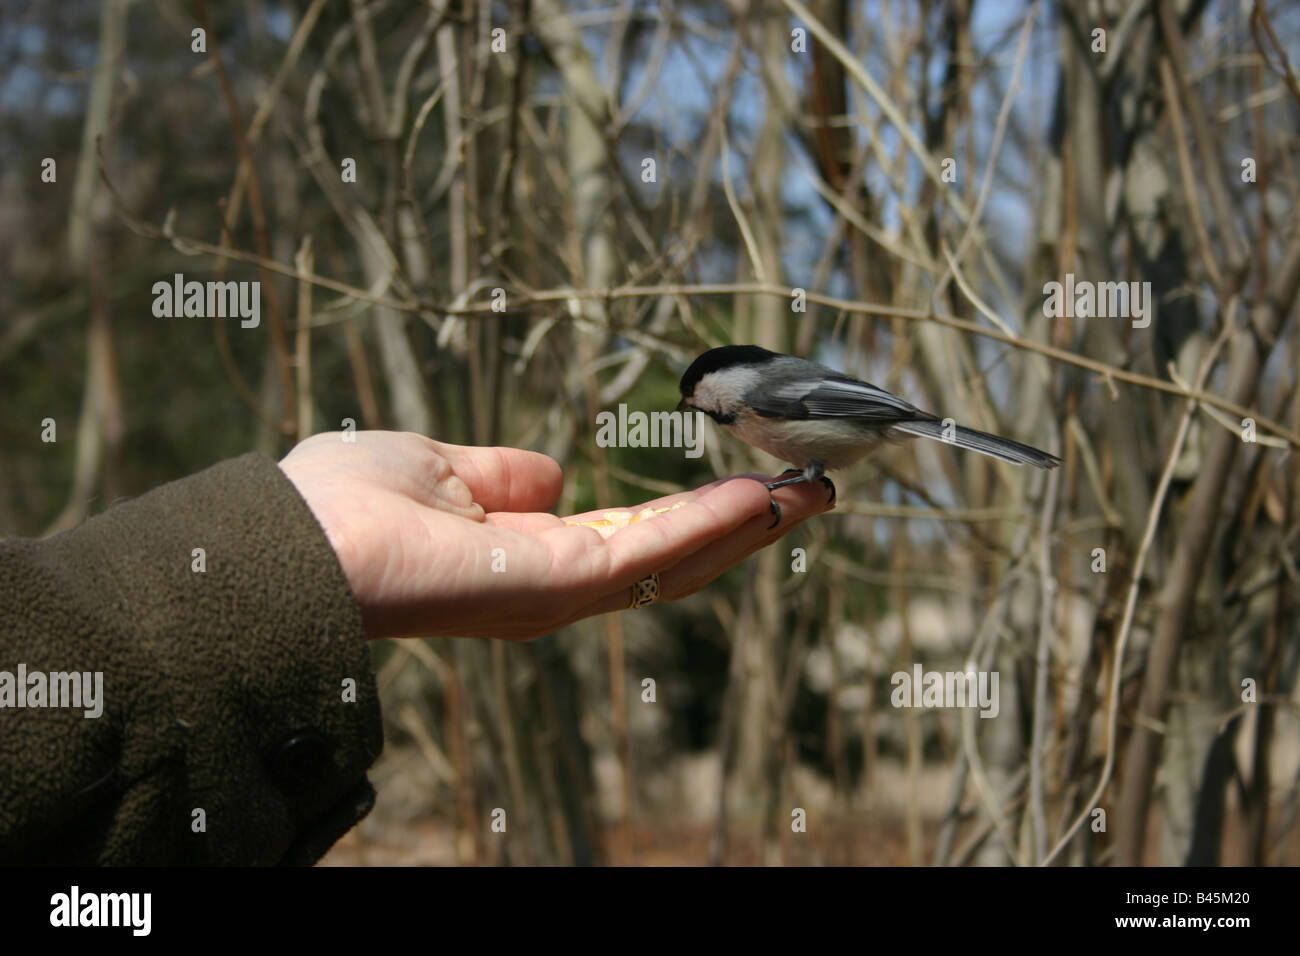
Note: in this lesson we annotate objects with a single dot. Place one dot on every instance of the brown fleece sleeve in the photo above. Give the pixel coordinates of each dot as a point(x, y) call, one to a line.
point(239, 710)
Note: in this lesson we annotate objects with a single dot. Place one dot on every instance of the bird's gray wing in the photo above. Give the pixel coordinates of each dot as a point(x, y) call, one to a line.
point(838, 397)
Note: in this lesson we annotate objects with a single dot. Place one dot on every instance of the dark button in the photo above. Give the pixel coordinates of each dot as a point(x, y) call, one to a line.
point(300, 759)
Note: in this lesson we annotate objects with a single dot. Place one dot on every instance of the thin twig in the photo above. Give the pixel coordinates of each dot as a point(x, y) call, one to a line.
point(1130, 603)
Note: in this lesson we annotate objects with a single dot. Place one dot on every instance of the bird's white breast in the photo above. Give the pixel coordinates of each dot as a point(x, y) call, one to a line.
point(836, 443)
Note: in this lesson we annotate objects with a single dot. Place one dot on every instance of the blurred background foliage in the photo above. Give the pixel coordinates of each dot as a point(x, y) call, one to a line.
point(644, 180)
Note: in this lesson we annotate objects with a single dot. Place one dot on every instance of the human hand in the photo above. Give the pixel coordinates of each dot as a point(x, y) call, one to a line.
point(416, 525)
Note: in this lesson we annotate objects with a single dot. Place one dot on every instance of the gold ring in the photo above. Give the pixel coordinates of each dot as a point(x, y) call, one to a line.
point(645, 592)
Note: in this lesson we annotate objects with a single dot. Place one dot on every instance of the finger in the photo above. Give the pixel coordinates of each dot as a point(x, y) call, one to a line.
point(662, 541)
point(506, 479)
point(667, 501)
point(711, 561)
point(798, 504)
point(591, 567)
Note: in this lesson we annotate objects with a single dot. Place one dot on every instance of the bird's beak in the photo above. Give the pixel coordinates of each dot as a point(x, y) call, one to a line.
point(684, 405)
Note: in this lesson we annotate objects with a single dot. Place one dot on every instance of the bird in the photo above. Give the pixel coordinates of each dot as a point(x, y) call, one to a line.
point(818, 419)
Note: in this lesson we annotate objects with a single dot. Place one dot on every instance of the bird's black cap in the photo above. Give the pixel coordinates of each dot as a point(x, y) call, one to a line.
point(723, 357)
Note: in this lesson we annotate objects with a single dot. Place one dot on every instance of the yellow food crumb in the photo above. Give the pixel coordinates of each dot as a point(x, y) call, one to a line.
point(617, 520)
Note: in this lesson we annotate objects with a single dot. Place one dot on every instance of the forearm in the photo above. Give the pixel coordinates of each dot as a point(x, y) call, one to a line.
point(238, 707)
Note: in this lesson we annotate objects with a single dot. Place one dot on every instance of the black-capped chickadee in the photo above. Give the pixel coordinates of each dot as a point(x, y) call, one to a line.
point(819, 419)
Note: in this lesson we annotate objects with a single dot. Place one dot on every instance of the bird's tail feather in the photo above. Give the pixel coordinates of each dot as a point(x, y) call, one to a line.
point(1017, 453)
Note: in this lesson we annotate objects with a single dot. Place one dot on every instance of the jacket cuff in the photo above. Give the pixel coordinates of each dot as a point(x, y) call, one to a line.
point(239, 703)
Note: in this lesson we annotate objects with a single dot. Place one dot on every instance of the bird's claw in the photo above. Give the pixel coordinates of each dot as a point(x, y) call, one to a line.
point(782, 481)
point(776, 514)
point(771, 486)
point(831, 485)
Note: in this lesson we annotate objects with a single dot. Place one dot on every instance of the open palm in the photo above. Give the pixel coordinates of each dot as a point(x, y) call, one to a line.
point(439, 539)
